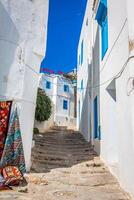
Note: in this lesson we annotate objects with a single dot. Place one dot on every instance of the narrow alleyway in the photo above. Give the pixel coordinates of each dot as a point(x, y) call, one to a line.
point(60, 149)
point(65, 167)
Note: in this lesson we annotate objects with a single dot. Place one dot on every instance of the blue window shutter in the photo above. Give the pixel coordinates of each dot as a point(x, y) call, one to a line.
point(96, 118)
point(65, 104)
point(48, 85)
point(66, 88)
point(101, 13)
point(104, 37)
point(102, 20)
point(104, 2)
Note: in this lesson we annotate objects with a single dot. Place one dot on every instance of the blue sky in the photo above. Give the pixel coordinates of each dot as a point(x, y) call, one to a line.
point(64, 26)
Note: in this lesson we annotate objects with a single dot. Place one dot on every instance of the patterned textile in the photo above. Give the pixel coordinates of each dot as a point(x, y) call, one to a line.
point(13, 154)
point(5, 108)
point(12, 176)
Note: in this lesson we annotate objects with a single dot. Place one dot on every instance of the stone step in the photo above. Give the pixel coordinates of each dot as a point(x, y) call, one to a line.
point(59, 128)
point(60, 163)
point(63, 152)
point(48, 156)
point(62, 140)
point(60, 152)
point(58, 138)
point(62, 147)
point(66, 163)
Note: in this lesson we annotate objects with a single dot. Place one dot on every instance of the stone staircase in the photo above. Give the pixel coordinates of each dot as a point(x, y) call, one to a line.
point(59, 148)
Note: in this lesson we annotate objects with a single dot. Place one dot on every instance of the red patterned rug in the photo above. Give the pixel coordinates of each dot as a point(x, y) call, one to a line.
point(5, 107)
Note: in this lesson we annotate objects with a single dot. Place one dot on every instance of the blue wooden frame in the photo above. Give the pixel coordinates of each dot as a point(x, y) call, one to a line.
point(104, 37)
point(48, 84)
point(102, 20)
point(96, 117)
point(65, 104)
point(66, 88)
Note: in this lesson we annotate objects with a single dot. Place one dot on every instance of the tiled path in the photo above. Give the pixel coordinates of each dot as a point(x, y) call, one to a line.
point(65, 167)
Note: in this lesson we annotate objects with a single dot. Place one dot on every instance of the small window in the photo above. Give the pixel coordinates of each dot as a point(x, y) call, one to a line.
point(48, 85)
point(65, 104)
point(66, 88)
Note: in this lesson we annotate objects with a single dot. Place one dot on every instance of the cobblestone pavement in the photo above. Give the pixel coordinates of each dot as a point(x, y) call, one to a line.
point(65, 167)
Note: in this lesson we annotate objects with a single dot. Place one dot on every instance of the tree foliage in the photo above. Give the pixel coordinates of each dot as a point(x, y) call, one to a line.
point(43, 106)
point(71, 77)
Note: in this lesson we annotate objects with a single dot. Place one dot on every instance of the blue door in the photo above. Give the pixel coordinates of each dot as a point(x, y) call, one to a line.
point(96, 118)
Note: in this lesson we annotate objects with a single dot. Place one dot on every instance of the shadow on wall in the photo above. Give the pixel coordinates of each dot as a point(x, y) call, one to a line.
point(9, 36)
point(85, 114)
point(89, 122)
point(96, 91)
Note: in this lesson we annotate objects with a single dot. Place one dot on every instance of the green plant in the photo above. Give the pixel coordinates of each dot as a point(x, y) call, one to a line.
point(43, 106)
point(71, 77)
point(36, 130)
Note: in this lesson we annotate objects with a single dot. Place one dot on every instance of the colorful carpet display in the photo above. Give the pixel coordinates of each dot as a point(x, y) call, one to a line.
point(13, 154)
point(5, 108)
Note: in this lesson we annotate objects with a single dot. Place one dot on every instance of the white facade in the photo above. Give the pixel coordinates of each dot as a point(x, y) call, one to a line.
point(110, 81)
point(83, 82)
point(23, 42)
point(63, 115)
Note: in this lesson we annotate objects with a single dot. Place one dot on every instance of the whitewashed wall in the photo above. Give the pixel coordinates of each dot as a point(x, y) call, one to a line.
point(23, 42)
point(63, 95)
point(83, 73)
point(60, 117)
point(114, 60)
point(115, 117)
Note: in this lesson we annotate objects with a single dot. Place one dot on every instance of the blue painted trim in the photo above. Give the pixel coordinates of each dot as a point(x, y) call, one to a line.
point(99, 133)
point(104, 2)
point(101, 14)
point(96, 118)
point(48, 84)
point(66, 88)
point(102, 20)
point(104, 37)
point(65, 104)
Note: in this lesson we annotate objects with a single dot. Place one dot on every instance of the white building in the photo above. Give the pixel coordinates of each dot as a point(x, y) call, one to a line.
point(23, 35)
point(61, 92)
point(106, 84)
